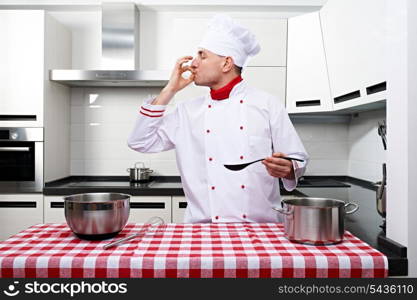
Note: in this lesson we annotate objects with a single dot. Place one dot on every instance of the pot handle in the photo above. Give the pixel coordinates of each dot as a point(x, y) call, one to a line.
point(356, 207)
point(149, 171)
point(284, 212)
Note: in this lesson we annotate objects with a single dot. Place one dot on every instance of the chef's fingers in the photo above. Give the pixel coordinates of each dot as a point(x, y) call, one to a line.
point(278, 161)
point(182, 60)
point(276, 174)
point(186, 68)
point(278, 168)
point(188, 80)
point(278, 154)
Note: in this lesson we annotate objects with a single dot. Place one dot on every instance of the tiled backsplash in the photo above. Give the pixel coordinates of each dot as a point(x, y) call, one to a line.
point(366, 153)
point(102, 118)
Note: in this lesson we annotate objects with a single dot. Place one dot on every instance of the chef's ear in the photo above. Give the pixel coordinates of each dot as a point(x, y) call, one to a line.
point(228, 64)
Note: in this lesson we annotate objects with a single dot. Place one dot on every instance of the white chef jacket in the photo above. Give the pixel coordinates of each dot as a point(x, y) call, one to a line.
point(206, 133)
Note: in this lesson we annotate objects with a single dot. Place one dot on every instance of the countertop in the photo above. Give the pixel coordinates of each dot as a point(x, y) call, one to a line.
point(157, 186)
point(365, 223)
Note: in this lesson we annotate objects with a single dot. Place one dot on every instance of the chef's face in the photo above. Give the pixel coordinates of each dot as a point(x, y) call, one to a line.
point(208, 68)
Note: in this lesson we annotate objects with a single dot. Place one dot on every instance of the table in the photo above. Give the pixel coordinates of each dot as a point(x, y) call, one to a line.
point(212, 250)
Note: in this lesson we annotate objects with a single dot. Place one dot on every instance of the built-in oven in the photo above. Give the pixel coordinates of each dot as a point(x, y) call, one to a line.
point(21, 159)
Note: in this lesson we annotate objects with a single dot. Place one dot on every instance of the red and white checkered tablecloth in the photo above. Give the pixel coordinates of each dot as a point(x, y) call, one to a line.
point(185, 250)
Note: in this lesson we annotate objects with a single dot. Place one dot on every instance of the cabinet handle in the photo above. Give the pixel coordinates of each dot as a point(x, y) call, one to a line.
point(18, 204)
point(57, 204)
point(147, 205)
point(14, 149)
point(376, 88)
point(158, 205)
point(307, 103)
point(347, 97)
point(182, 205)
point(17, 117)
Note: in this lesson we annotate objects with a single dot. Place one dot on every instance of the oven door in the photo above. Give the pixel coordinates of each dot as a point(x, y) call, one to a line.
point(21, 166)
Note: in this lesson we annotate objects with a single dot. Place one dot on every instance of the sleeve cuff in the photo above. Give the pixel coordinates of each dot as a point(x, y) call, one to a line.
point(291, 184)
point(150, 110)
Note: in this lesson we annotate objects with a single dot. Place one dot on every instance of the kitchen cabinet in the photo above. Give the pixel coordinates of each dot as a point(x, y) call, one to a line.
point(354, 43)
point(179, 204)
point(18, 212)
point(268, 79)
point(308, 87)
point(32, 42)
point(142, 208)
point(21, 60)
point(54, 209)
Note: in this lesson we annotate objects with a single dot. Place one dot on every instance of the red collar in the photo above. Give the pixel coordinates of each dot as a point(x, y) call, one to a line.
point(224, 92)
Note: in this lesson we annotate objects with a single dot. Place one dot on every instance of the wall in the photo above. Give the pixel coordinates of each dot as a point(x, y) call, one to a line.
point(327, 144)
point(101, 119)
point(56, 102)
point(401, 117)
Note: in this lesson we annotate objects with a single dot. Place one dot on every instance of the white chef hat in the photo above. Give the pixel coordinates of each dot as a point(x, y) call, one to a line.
point(225, 37)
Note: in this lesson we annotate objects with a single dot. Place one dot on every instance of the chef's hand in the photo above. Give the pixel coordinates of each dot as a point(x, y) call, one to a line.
point(176, 81)
point(279, 167)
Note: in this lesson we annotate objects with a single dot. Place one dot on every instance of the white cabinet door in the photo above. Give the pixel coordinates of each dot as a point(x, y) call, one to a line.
point(179, 204)
point(142, 208)
point(308, 87)
point(18, 212)
point(54, 209)
point(354, 42)
point(268, 79)
point(22, 65)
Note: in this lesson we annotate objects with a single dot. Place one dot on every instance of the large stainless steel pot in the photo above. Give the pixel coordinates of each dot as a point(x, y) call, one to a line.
point(97, 216)
point(315, 221)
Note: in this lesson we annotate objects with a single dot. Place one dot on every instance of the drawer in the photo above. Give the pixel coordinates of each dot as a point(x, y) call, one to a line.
point(142, 208)
point(54, 209)
point(179, 204)
point(18, 212)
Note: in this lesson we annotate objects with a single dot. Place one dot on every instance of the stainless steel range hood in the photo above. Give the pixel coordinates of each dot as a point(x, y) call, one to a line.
point(120, 54)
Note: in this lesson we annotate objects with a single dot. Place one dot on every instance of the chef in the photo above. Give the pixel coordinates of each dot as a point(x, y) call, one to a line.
point(234, 123)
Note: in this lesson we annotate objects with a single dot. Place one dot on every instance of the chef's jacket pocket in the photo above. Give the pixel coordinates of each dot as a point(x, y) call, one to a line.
point(260, 147)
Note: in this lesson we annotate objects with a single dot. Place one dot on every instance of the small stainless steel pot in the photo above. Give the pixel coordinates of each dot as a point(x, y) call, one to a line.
point(315, 221)
point(139, 174)
point(97, 216)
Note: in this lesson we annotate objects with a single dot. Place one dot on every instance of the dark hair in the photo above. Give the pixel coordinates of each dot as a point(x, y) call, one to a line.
point(238, 69)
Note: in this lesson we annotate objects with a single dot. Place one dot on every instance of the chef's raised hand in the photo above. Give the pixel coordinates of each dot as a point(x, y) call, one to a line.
point(279, 167)
point(176, 82)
